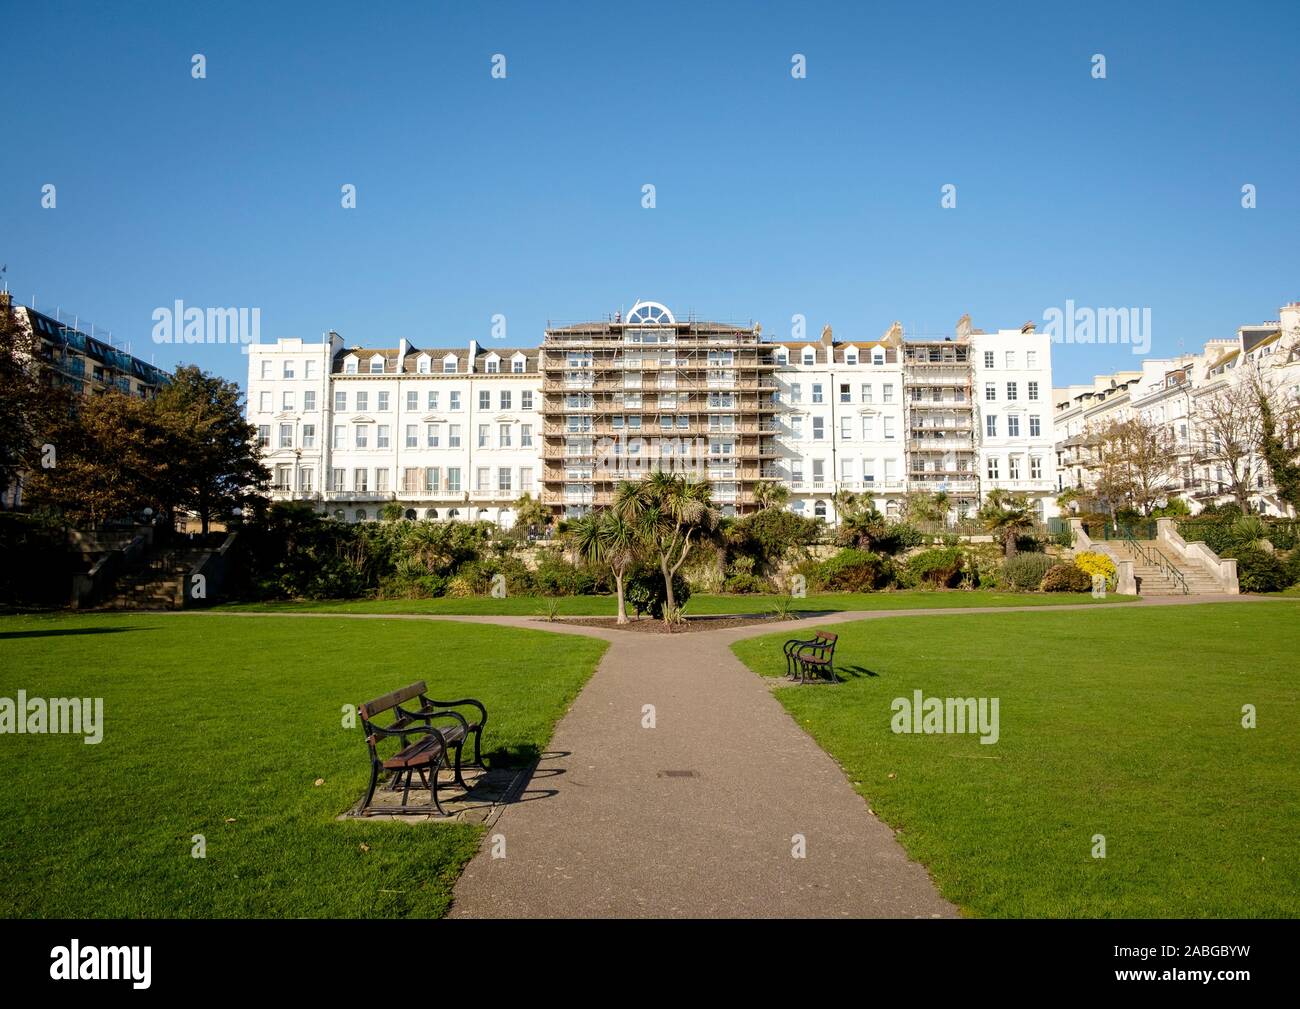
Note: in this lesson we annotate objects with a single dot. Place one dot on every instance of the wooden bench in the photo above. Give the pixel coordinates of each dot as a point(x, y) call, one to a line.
point(815, 656)
point(422, 747)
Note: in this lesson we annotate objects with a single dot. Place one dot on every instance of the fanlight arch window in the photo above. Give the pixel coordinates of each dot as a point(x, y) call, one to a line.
point(650, 313)
point(361, 514)
point(819, 509)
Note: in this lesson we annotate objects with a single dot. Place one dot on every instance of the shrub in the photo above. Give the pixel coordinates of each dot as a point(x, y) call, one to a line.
point(1090, 562)
point(1291, 568)
point(742, 583)
point(852, 570)
point(940, 568)
point(1024, 572)
point(644, 590)
point(1066, 578)
point(1259, 571)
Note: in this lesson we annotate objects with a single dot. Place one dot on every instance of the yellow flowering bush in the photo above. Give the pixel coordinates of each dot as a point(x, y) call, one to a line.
point(1094, 563)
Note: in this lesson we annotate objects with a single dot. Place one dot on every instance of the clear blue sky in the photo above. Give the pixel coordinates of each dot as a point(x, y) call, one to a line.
point(775, 196)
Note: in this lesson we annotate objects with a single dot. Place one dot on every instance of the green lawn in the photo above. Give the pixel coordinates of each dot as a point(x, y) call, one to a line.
point(596, 606)
point(1125, 723)
point(220, 726)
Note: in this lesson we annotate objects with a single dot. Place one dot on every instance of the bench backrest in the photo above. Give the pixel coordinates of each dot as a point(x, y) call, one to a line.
point(402, 718)
point(389, 701)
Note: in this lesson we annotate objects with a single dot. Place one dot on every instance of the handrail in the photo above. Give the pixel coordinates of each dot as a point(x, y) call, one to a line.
point(1156, 559)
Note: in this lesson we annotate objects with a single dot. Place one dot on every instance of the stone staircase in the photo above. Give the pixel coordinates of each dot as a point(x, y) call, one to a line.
point(158, 585)
point(1154, 579)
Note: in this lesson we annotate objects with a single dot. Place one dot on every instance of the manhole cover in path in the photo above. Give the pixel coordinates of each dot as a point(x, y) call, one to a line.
point(679, 774)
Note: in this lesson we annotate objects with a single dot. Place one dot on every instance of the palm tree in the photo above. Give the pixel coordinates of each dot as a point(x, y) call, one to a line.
point(1006, 515)
point(668, 511)
point(607, 537)
point(942, 505)
point(770, 494)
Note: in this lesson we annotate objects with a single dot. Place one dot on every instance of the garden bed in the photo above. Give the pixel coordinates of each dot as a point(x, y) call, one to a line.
point(648, 625)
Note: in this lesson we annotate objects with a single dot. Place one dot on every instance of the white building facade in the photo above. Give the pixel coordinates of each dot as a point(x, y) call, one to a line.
point(459, 434)
point(447, 434)
point(1172, 393)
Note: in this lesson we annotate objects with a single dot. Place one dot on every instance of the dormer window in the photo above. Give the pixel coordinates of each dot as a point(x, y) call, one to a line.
point(350, 366)
point(518, 364)
point(851, 356)
point(809, 356)
point(422, 364)
point(376, 365)
point(493, 365)
point(449, 364)
point(782, 356)
point(877, 357)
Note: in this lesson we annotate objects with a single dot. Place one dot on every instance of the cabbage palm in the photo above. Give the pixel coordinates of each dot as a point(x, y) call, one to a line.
point(607, 537)
point(668, 511)
point(1006, 515)
point(770, 494)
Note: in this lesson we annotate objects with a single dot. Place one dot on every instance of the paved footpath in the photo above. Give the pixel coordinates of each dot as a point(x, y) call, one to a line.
point(617, 838)
point(605, 832)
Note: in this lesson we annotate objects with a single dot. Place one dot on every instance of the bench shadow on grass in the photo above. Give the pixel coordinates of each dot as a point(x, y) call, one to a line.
point(64, 632)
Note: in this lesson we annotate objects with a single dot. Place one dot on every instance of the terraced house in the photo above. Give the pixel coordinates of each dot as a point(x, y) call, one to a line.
point(462, 434)
point(1199, 401)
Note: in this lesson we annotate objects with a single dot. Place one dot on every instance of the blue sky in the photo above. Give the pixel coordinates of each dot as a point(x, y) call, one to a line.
point(775, 196)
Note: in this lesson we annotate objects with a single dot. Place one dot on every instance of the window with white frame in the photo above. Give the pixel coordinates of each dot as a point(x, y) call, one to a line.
point(361, 436)
point(309, 400)
point(412, 435)
point(412, 400)
point(988, 359)
point(991, 425)
point(340, 436)
point(287, 371)
point(1013, 425)
point(381, 436)
point(432, 435)
point(383, 402)
point(992, 467)
point(1035, 425)
point(309, 436)
point(818, 428)
point(340, 401)
point(363, 401)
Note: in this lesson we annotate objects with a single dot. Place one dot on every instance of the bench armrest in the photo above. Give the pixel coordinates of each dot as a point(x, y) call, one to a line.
point(378, 732)
point(465, 702)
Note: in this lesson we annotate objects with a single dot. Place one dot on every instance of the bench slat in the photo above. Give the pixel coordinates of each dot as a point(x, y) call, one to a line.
point(392, 700)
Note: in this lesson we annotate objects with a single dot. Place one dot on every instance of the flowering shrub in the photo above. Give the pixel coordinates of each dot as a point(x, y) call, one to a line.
point(1092, 563)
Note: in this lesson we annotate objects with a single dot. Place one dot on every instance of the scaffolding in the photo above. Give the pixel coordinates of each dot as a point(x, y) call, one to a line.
point(624, 398)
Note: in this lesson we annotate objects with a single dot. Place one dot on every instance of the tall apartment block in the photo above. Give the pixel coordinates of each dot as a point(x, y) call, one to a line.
point(628, 395)
point(77, 360)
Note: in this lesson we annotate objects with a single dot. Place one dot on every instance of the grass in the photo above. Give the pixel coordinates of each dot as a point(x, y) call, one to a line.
point(1124, 723)
point(699, 605)
point(220, 726)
